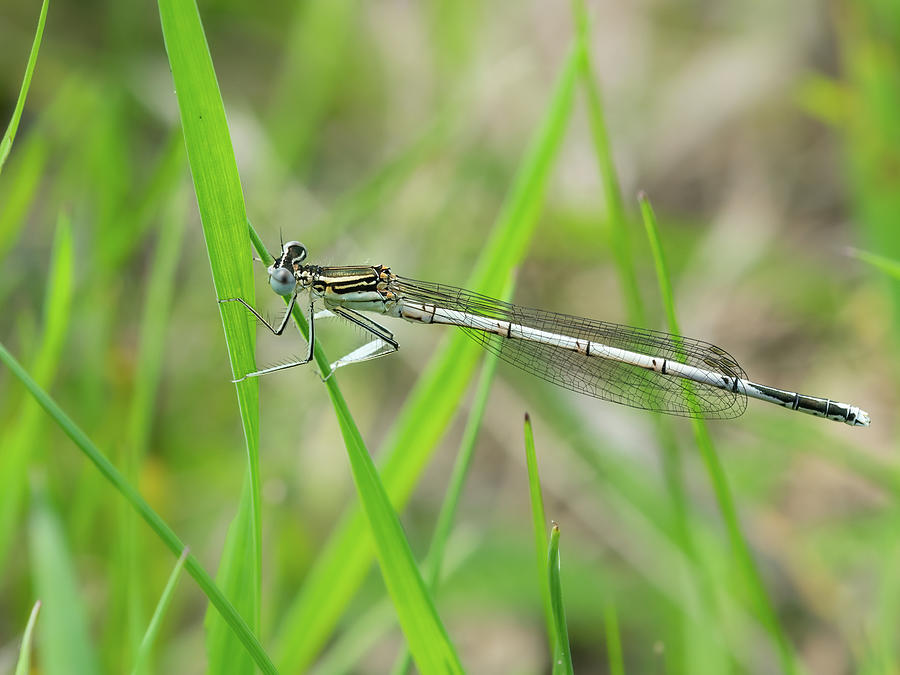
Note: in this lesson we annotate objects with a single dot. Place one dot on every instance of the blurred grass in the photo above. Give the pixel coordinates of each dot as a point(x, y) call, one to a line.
point(539, 527)
point(23, 665)
point(65, 644)
point(562, 653)
point(10, 134)
point(387, 133)
point(430, 405)
point(724, 498)
point(143, 659)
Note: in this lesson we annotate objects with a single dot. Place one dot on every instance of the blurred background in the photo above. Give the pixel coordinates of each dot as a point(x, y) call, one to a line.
point(767, 136)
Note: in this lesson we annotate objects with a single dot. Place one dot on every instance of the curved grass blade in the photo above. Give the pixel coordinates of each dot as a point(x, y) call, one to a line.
point(23, 666)
point(223, 215)
point(343, 563)
point(156, 523)
point(142, 662)
point(562, 658)
point(714, 468)
point(10, 134)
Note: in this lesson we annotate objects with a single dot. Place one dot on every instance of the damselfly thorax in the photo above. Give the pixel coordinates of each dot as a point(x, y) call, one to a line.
point(637, 367)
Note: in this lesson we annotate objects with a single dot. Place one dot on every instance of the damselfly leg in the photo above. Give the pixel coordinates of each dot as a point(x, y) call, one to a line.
point(279, 331)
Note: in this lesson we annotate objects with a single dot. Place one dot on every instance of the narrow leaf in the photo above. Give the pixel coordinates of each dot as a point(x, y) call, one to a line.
point(223, 215)
point(713, 464)
point(23, 666)
point(539, 521)
point(65, 644)
point(142, 662)
point(563, 655)
point(10, 135)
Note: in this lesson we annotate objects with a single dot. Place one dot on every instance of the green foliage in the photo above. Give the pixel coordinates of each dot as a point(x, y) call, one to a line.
point(395, 134)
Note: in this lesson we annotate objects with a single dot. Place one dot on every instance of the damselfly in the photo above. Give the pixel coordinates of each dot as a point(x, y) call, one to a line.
point(641, 368)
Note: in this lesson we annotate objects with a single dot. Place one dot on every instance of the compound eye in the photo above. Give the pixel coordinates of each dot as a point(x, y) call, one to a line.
point(282, 281)
point(294, 252)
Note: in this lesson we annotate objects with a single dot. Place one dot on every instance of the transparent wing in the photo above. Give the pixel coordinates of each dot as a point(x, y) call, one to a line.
point(601, 378)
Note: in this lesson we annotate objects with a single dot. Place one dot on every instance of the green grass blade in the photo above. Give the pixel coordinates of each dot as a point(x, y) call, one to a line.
point(562, 659)
point(425, 634)
point(317, 48)
point(23, 665)
point(223, 215)
point(152, 334)
point(636, 314)
point(10, 135)
point(716, 472)
point(142, 662)
point(156, 523)
point(539, 521)
point(447, 514)
point(29, 166)
point(613, 640)
point(882, 263)
point(343, 563)
point(65, 643)
point(18, 442)
point(616, 219)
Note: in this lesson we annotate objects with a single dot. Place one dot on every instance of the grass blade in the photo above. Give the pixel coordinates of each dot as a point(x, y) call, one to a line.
point(425, 634)
point(562, 660)
point(223, 215)
point(342, 565)
point(882, 263)
point(613, 640)
point(714, 468)
point(19, 441)
point(10, 135)
point(29, 167)
point(447, 514)
point(615, 209)
point(65, 644)
point(142, 662)
point(23, 666)
point(699, 582)
point(157, 524)
point(153, 328)
point(539, 520)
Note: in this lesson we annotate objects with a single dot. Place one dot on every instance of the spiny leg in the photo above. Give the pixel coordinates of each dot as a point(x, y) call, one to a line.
point(311, 341)
point(262, 319)
point(383, 344)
